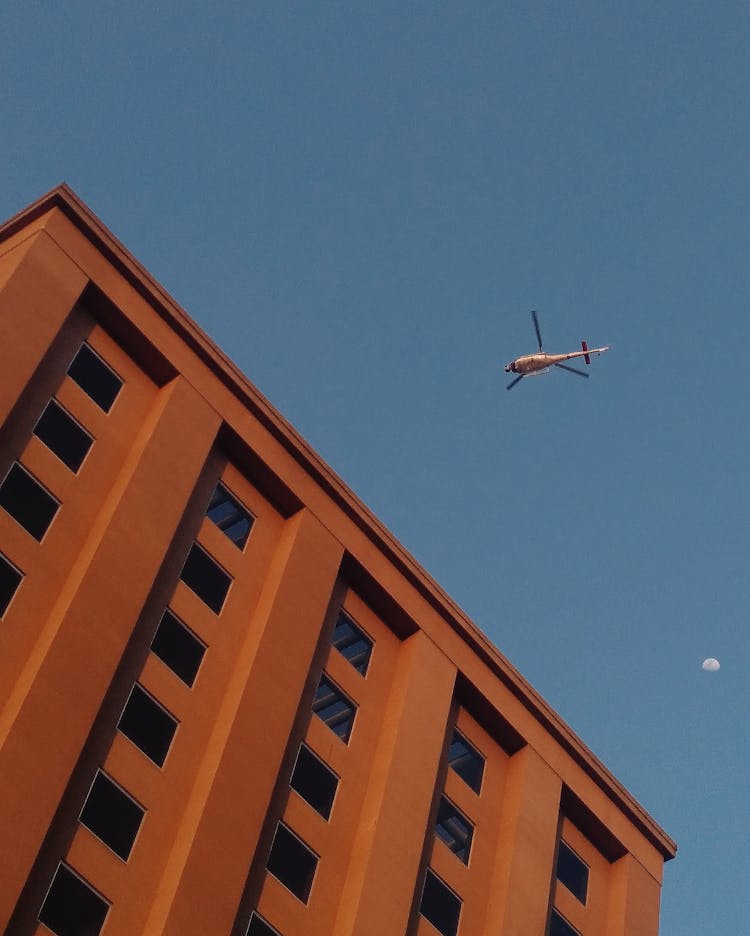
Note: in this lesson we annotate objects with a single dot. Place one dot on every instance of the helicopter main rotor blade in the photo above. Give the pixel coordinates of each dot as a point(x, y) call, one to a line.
point(538, 333)
point(573, 370)
point(514, 382)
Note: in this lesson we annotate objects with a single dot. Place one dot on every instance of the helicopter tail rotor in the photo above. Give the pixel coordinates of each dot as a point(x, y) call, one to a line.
point(585, 349)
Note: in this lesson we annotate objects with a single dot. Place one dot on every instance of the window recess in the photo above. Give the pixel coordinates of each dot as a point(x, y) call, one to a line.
point(440, 905)
point(259, 927)
point(466, 761)
point(72, 907)
point(112, 815)
point(206, 578)
point(315, 782)
point(178, 648)
point(10, 579)
point(352, 643)
point(559, 926)
point(334, 708)
point(27, 501)
point(292, 862)
point(95, 378)
point(454, 829)
point(63, 436)
point(572, 871)
point(230, 516)
point(148, 725)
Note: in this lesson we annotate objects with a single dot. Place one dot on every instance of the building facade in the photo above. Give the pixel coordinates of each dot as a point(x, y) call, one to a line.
point(230, 701)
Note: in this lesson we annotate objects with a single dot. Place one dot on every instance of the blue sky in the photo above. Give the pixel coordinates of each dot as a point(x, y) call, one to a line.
point(361, 203)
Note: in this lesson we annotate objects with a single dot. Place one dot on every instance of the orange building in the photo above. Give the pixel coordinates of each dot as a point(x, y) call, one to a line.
point(230, 701)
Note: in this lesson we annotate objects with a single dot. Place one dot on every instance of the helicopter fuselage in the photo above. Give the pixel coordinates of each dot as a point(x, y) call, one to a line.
point(533, 363)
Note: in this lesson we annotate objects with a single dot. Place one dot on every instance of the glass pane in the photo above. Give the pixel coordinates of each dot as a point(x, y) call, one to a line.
point(72, 907)
point(206, 578)
point(349, 640)
point(560, 927)
point(63, 436)
point(112, 815)
point(27, 501)
point(178, 648)
point(440, 905)
point(95, 378)
point(454, 829)
point(314, 781)
point(10, 579)
point(229, 516)
point(259, 927)
point(572, 872)
point(149, 726)
point(333, 707)
point(292, 862)
point(466, 761)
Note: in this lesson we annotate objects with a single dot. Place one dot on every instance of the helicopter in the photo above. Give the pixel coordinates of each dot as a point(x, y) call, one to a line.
point(532, 365)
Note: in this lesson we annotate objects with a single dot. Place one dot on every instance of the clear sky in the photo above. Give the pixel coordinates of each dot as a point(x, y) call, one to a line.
point(361, 202)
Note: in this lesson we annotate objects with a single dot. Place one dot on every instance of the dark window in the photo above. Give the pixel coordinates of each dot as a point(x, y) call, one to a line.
point(112, 815)
point(559, 926)
point(149, 726)
point(10, 579)
point(572, 872)
point(72, 907)
point(178, 647)
point(206, 578)
point(333, 707)
point(62, 435)
point(259, 927)
point(349, 640)
point(454, 829)
point(314, 781)
point(292, 862)
point(466, 761)
point(440, 905)
point(95, 377)
point(229, 516)
point(27, 501)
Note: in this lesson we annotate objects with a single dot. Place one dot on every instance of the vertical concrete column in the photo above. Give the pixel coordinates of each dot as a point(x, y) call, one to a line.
point(633, 900)
point(214, 847)
point(522, 876)
point(49, 712)
point(377, 894)
point(39, 285)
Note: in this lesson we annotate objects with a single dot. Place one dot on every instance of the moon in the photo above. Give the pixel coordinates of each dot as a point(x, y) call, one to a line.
point(711, 665)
